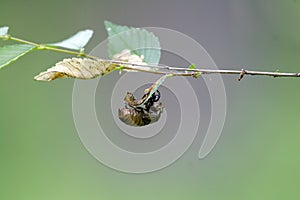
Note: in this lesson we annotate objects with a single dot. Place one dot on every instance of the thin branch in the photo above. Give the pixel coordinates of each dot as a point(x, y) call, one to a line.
point(157, 69)
point(176, 71)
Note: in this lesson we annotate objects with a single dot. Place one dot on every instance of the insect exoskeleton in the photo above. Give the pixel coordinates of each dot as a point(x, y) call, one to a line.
point(134, 115)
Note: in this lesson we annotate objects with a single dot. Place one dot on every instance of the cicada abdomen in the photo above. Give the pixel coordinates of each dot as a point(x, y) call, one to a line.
point(134, 117)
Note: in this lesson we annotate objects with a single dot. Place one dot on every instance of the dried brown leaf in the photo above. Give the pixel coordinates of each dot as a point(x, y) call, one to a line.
point(126, 56)
point(81, 68)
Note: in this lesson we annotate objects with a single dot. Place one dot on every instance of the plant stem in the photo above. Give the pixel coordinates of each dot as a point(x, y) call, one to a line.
point(176, 71)
point(156, 69)
point(46, 47)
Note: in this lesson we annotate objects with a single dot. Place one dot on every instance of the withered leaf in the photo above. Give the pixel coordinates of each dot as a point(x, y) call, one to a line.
point(81, 68)
point(126, 56)
point(86, 68)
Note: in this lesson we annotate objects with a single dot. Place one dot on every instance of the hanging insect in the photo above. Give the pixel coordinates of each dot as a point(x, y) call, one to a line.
point(142, 112)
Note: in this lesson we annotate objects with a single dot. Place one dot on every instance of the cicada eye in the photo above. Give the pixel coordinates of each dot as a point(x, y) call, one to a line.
point(156, 96)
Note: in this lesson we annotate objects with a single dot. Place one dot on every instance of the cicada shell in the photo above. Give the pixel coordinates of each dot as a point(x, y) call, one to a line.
point(135, 115)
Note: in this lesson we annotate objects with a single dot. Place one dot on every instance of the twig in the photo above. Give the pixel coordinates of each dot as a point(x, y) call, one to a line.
point(176, 71)
point(156, 69)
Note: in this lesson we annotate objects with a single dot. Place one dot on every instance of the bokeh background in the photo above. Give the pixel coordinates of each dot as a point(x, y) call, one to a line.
point(257, 155)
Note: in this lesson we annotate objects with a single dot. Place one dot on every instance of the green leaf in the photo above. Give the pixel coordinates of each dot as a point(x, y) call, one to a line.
point(3, 30)
point(139, 41)
point(11, 53)
point(192, 66)
point(197, 75)
point(76, 42)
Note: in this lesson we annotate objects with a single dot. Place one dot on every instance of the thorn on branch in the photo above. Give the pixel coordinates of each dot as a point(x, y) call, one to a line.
point(243, 72)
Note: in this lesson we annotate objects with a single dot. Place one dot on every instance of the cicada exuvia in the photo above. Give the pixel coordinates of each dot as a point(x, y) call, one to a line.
point(142, 112)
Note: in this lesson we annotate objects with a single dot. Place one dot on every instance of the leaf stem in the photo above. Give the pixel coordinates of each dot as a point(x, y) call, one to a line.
point(46, 47)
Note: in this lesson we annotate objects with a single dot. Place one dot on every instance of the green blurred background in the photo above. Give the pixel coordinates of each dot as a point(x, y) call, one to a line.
point(257, 154)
